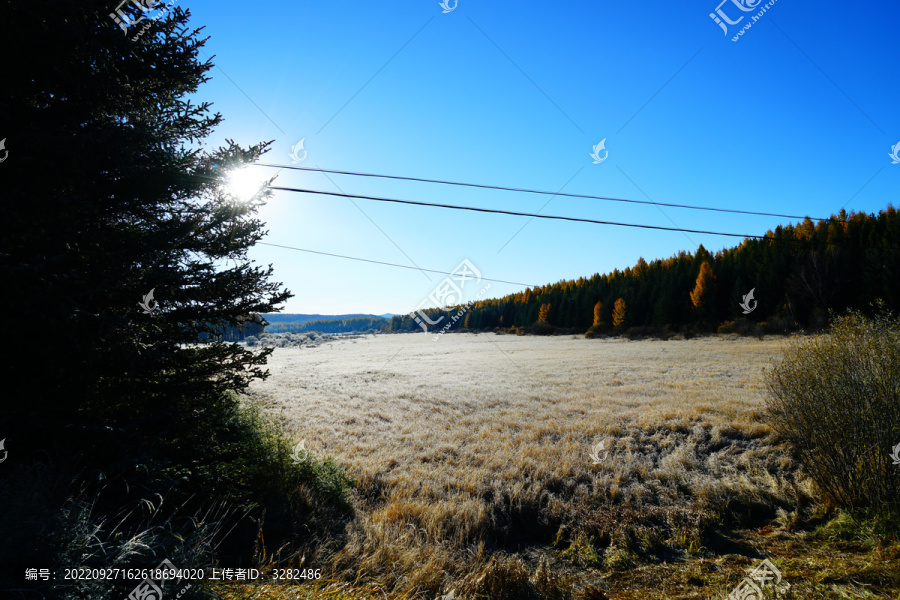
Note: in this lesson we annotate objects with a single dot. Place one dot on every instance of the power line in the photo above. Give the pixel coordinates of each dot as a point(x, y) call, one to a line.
point(530, 191)
point(523, 214)
point(378, 262)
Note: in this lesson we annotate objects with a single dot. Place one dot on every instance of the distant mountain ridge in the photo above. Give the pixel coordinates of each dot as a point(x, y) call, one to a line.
point(277, 318)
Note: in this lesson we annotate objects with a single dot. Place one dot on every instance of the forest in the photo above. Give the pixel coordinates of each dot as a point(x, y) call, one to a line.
point(798, 273)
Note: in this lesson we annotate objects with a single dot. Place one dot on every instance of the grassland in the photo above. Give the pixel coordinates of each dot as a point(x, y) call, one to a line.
point(474, 469)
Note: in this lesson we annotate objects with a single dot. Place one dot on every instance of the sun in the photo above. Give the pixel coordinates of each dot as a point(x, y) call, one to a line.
point(244, 184)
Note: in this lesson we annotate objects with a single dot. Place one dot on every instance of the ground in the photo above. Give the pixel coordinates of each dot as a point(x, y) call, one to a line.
point(502, 466)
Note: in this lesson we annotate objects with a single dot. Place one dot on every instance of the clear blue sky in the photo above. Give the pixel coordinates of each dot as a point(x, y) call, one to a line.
point(798, 116)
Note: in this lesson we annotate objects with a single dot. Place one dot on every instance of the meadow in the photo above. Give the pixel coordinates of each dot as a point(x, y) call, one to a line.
point(508, 466)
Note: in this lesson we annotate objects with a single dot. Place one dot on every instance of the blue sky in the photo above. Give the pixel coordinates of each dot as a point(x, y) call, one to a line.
point(798, 116)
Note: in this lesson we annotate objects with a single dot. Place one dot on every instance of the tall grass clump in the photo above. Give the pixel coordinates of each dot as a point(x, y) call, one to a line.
point(221, 488)
point(244, 453)
point(836, 399)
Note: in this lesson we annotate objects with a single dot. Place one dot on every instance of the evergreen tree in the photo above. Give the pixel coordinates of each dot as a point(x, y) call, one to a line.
point(108, 197)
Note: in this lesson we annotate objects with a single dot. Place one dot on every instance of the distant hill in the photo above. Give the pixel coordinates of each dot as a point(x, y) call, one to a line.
point(275, 318)
point(358, 324)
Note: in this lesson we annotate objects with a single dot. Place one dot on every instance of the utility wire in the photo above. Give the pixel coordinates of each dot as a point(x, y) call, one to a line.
point(378, 262)
point(530, 191)
point(536, 216)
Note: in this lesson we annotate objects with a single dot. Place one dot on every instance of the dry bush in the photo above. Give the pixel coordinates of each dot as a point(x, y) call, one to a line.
point(836, 398)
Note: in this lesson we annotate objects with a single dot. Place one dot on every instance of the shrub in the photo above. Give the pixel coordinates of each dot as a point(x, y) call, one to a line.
point(541, 328)
point(251, 455)
point(596, 331)
point(780, 324)
point(637, 333)
point(741, 326)
point(836, 399)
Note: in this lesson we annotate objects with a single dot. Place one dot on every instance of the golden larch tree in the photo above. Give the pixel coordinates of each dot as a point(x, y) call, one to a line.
point(598, 314)
point(702, 295)
point(620, 311)
point(544, 313)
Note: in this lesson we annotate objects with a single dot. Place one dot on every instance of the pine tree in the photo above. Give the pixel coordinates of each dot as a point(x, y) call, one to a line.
point(620, 311)
point(131, 206)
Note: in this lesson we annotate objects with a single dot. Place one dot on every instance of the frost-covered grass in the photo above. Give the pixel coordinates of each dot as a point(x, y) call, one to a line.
point(468, 449)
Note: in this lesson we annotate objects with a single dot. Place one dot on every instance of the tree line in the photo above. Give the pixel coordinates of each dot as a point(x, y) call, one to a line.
point(798, 273)
point(331, 325)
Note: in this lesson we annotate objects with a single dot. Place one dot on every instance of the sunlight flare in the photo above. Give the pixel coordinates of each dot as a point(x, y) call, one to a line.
point(244, 184)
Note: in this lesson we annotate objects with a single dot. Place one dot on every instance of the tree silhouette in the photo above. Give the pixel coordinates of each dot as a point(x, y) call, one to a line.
point(108, 196)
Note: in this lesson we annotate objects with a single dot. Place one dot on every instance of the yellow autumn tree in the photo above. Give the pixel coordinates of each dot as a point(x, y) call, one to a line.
point(620, 311)
point(598, 314)
point(704, 289)
point(544, 313)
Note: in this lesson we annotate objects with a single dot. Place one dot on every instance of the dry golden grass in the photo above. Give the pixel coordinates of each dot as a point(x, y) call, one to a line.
point(472, 454)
